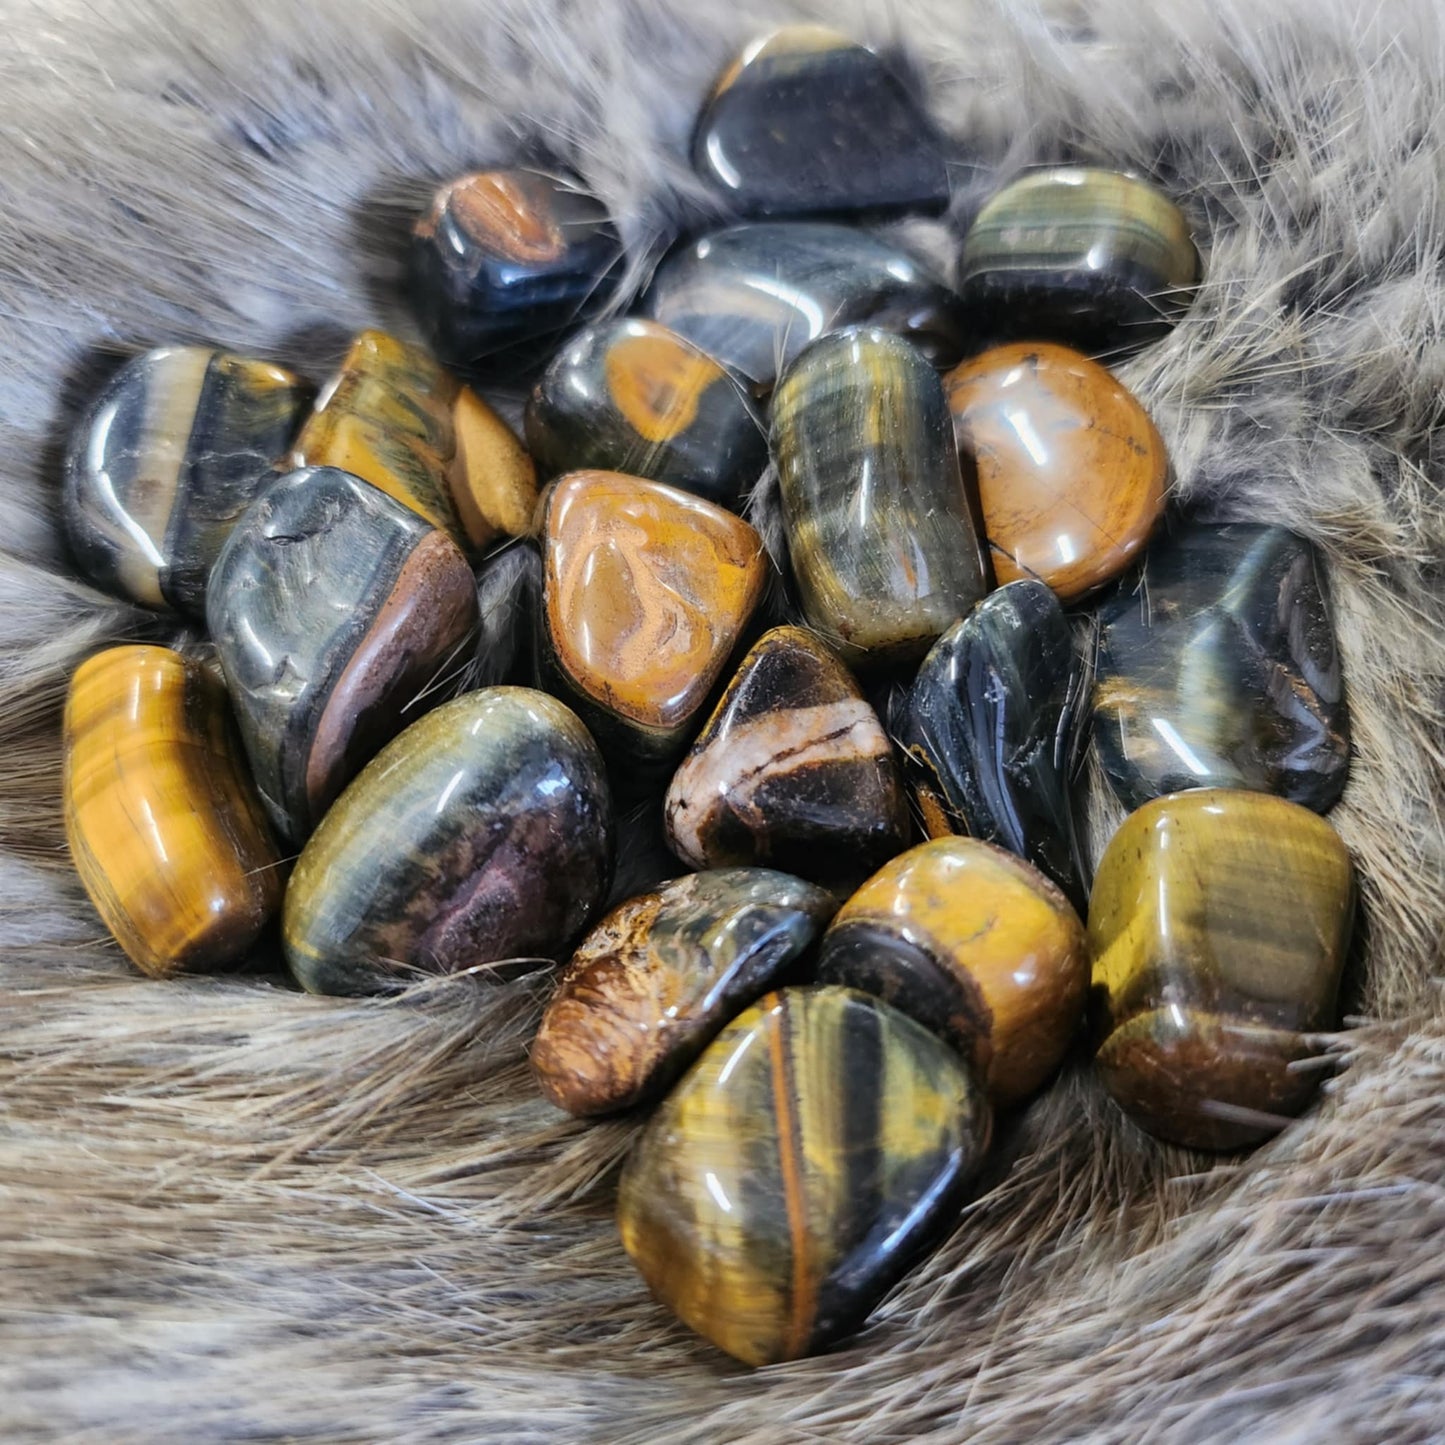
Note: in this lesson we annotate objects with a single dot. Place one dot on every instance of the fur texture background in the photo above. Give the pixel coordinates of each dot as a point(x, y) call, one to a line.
point(228, 1211)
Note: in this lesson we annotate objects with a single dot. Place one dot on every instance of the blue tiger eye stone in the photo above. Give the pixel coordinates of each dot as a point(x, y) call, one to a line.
point(805, 121)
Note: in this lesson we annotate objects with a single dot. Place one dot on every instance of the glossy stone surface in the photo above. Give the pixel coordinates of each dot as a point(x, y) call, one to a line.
point(989, 728)
point(653, 983)
point(807, 121)
point(798, 1169)
point(628, 395)
point(1093, 258)
point(880, 527)
point(1219, 925)
point(167, 457)
point(483, 834)
point(1219, 667)
point(337, 613)
point(755, 295)
point(975, 945)
point(503, 262)
point(164, 826)
point(1071, 472)
point(393, 417)
point(646, 592)
point(793, 769)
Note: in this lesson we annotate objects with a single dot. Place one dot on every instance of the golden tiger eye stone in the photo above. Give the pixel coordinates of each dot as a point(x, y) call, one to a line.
point(976, 945)
point(1219, 923)
point(793, 1175)
point(1071, 471)
point(164, 827)
point(646, 593)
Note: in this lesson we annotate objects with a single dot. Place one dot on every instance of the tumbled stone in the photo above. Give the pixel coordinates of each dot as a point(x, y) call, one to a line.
point(793, 769)
point(480, 835)
point(503, 262)
point(975, 945)
point(167, 457)
point(164, 826)
point(805, 121)
point(1219, 925)
point(337, 614)
point(791, 1178)
point(1071, 471)
point(1219, 668)
point(881, 529)
point(755, 295)
point(646, 592)
point(653, 983)
point(396, 419)
point(989, 728)
point(631, 396)
point(1093, 258)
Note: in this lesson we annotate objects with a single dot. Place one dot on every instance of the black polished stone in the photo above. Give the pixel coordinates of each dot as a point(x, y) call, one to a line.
point(806, 122)
point(1218, 667)
point(755, 295)
point(505, 262)
point(988, 730)
point(628, 395)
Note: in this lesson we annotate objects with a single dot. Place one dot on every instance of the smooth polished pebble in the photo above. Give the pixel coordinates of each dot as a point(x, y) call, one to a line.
point(504, 262)
point(989, 729)
point(793, 769)
point(754, 295)
point(338, 615)
point(806, 120)
point(1097, 259)
point(1219, 667)
point(975, 945)
point(792, 1177)
point(881, 529)
point(1071, 471)
point(646, 593)
point(628, 395)
point(164, 461)
point(653, 983)
point(1219, 924)
point(481, 835)
point(165, 829)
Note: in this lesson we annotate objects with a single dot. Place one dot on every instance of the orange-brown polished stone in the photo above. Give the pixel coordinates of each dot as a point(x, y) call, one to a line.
point(1071, 471)
point(646, 594)
point(164, 825)
point(976, 945)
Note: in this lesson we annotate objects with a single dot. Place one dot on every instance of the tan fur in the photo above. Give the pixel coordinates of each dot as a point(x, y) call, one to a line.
point(231, 1211)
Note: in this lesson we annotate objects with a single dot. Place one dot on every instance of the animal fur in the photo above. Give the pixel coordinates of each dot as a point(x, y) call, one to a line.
point(232, 1212)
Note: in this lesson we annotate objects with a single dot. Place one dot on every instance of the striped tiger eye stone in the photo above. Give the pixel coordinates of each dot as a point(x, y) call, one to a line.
point(168, 456)
point(503, 262)
point(1071, 471)
point(793, 769)
point(394, 418)
point(654, 982)
point(164, 826)
point(631, 396)
point(881, 529)
point(646, 593)
point(798, 1169)
point(336, 612)
point(975, 945)
point(1093, 258)
point(1219, 925)
point(480, 835)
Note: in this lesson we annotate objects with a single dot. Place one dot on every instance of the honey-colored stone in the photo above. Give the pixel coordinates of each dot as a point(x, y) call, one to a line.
point(1071, 471)
point(1219, 924)
point(493, 480)
point(164, 826)
point(646, 593)
point(974, 944)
